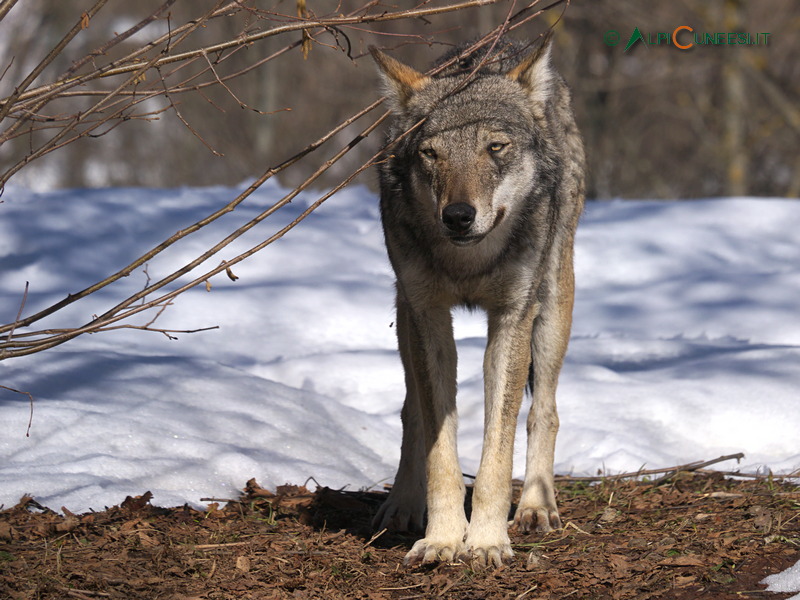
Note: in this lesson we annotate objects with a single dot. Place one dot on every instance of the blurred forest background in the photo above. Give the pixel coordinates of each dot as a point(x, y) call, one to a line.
point(658, 122)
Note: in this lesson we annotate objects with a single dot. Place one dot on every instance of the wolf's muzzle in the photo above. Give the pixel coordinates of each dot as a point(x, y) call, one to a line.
point(458, 218)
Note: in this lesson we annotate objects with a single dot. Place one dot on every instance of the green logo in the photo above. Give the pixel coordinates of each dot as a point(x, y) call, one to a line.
point(635, 37)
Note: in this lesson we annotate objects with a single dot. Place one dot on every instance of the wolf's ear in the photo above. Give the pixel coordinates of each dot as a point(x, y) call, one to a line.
point(401, 80)
point(536, 75)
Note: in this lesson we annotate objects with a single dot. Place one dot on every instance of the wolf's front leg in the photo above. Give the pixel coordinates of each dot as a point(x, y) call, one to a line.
point(404, 509)
point(537, 510)
point(505, 372)
point(427, 338)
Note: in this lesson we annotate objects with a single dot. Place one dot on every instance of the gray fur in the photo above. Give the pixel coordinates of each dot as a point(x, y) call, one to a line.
point(479, 205)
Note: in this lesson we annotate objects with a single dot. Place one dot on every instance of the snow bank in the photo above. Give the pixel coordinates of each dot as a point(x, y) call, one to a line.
point(685, 346)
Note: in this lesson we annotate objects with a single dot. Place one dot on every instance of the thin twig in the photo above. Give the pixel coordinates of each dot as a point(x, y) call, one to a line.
point(30, 398)
point(19, 313)
point(374, 537)
point(183, 120)
point(120, 37)
point(227, 89)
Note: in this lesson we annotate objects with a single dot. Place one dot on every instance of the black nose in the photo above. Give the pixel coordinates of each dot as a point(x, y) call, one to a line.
point(458, 217)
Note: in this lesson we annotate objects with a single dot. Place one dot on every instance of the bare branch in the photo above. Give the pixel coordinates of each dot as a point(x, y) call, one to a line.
point(272, 171)
point(5, 6)
point(118, 104)
point(667, 473)
point(119, 68)
point(6, 105)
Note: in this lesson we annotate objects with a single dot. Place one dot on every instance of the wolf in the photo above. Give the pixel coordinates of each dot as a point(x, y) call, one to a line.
point(480, 196)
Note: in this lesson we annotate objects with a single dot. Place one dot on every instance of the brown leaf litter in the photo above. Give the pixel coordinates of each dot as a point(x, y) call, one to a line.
point(695, 536)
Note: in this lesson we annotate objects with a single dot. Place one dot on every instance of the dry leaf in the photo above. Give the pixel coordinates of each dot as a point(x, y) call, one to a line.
point(688, 560)
point(68, 524)
point(253, 490)
point(243, 564)
point(6, 531)
point(610, 514)
point(147, 541)
point(619, 564)
point(137, 503)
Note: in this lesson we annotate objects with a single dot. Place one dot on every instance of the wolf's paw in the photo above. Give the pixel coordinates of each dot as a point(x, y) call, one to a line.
point(488, 546)
point(428, 551)
point(541, 519)
point(490, 556)
point(400, 513)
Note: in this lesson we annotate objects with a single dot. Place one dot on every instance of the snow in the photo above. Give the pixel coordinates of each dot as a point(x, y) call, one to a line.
point(787, 581)
point(686, 346)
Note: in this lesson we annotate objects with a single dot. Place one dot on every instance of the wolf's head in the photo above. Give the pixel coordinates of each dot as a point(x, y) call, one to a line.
point(475, 155)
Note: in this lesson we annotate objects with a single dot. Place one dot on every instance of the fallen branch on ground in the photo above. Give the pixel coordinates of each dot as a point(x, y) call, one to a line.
point(669, 473)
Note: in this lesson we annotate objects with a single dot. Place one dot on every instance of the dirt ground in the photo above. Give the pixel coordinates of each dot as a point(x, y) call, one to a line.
point(692, 536)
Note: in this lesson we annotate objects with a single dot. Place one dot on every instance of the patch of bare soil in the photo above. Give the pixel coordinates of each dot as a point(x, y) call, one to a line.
point(694, 536)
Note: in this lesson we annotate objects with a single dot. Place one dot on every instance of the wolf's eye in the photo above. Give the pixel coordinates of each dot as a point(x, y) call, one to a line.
point(495, 147)
point(428, 153)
